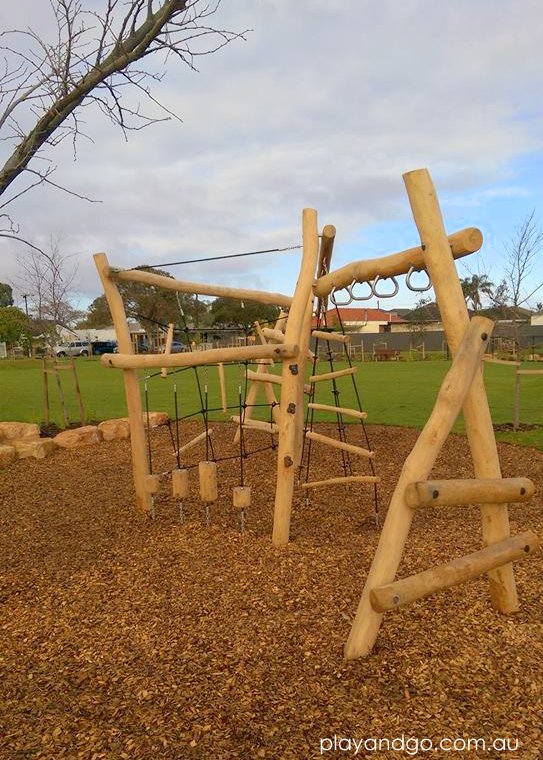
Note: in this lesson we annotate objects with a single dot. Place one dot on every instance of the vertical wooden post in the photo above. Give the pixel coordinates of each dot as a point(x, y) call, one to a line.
point(78, 392)
point(222, 385)
point(45, 391)
point(140, 464)
point(516, 408)
point(168, 347)
point(61, 396)
point(293, 381)
point(454, 315)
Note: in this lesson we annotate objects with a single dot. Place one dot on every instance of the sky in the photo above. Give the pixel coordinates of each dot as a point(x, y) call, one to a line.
point(323, 105)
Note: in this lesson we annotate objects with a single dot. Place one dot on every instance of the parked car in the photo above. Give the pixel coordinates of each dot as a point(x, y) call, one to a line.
point(178, 347)
point(75, 348)
point(100, 347)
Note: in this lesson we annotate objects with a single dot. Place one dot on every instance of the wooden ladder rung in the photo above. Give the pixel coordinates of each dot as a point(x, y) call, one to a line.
point(339, 410)
point(529, 371)
point(336, 444)
point(342, 481)
point(194, 442)
point(250, 424)
point(269, 377)
point(332, 375)
point(331, 337)
point(437, 493)
point(407, 590)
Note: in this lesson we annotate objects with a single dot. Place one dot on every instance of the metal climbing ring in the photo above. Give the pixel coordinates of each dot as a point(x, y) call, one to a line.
point(341, 303)
point(360, 298)
point(411, 272)
point(385, 295)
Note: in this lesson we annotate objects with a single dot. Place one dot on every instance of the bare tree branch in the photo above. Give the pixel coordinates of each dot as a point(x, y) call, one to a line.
point(91, 61)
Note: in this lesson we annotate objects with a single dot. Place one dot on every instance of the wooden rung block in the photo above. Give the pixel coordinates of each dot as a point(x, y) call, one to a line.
point(208, 481)
point(152, 484)
point(336, 444)
point(193, 442)
point(339, 410)
point(331, 337)
point(529, 371)
point(342, 481)
point(332, 375)
point(241, 497)
point(436, 493)
point(407, 590)
point(180, 483)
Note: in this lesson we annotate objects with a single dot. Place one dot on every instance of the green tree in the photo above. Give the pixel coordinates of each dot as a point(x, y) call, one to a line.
point(14, 325)
point(151, 306)
point(6, 294)
point(230, 311)
point(476, 286)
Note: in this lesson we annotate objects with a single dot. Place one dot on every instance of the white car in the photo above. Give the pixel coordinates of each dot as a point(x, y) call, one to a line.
point(75, 348)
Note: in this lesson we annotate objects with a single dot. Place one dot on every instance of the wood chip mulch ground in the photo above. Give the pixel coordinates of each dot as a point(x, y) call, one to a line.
point(124, 638)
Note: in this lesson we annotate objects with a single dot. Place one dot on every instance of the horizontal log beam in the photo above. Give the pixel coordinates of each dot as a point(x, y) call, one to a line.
point(529, 371)
point(334, 443)
point(331, 337)
point(339, 410)
point(407, 590)
point(436, 493)
point(332, 375)
point(198, 358)
point(462, 243)
point(342, 481)
point(197, 288)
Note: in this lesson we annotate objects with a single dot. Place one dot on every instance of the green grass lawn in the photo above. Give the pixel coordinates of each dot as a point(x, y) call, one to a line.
point(393, 393)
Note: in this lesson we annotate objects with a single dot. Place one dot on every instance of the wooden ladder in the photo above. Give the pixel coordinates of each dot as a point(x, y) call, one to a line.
point(461, 390)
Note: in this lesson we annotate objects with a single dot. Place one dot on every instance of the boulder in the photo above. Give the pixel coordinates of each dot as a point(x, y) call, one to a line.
point(10, 431)
point(113, 430)
point(7, 455)
point(81, 436)
point(156, 419)
point(39, 448)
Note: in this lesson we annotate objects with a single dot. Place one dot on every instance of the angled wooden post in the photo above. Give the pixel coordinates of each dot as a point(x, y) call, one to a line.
point(140, 464)
point(291, 408)
point(439, 262)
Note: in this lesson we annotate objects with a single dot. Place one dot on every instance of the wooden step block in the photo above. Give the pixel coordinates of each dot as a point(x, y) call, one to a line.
point(339, 410)
point(332, 375)
point(152, 484)
point(342, 481)
point(241, 497)
point(180, 484)
point(331, 337)
point(437, 493)
point(336, 444)
point(407, 590)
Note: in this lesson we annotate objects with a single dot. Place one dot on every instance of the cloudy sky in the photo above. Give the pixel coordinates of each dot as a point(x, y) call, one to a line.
point(325, 104)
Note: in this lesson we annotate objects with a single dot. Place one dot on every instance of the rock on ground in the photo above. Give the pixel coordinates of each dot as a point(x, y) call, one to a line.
point(10, 431)
point(81, 436)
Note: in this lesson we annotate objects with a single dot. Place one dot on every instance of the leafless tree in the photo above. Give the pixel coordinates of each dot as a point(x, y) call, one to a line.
point(524, 250)
point(96, 57)
point(48, 279)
